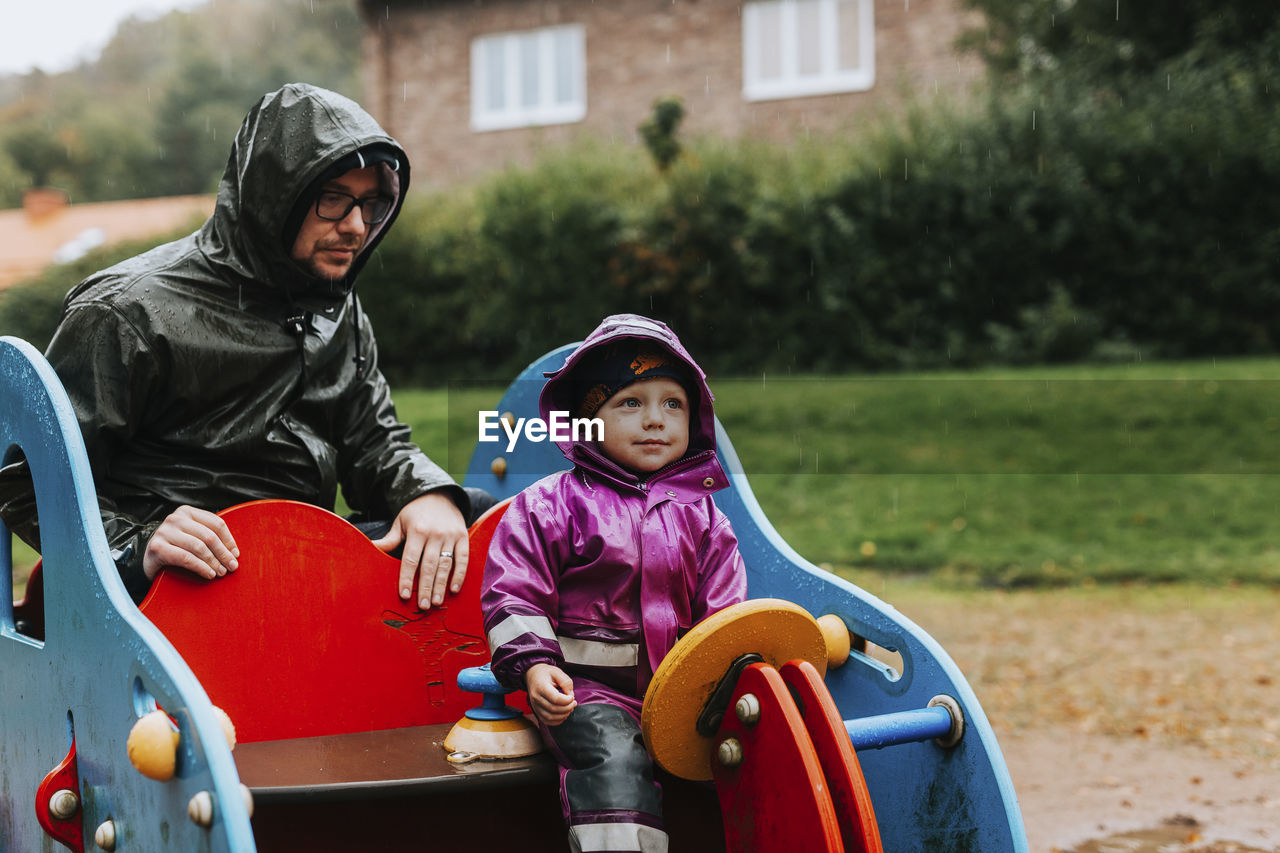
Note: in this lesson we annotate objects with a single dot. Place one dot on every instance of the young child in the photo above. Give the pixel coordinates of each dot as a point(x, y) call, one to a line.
point(594, 572)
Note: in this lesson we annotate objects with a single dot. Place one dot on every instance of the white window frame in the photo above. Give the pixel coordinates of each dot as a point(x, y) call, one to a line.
point(547, 110)
point(831, 78)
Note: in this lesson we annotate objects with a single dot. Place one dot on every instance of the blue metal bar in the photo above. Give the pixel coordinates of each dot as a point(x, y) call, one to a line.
point(901, 727)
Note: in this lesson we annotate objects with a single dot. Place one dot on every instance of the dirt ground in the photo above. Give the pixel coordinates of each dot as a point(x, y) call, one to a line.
point(1131, 719)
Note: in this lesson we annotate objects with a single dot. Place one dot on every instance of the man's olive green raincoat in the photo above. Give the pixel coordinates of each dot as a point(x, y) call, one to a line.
point(213, 370)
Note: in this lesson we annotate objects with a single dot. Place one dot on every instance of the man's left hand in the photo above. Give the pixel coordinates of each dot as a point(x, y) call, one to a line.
point(434, 534)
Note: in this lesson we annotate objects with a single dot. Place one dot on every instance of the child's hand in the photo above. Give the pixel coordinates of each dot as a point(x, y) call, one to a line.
point(550, 692)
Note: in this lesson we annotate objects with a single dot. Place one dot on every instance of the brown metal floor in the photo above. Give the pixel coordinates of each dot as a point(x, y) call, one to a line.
point(369, 764)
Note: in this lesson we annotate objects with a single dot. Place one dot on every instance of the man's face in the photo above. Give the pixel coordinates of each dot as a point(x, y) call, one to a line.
point(328, 248)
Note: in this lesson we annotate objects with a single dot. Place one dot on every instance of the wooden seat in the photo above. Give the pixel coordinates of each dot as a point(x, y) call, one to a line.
point(390, 762)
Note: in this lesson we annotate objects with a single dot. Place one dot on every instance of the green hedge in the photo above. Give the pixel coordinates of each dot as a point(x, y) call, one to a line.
point(1056, 222)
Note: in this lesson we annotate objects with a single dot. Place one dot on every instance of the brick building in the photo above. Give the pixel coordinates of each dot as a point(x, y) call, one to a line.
point(470, 85)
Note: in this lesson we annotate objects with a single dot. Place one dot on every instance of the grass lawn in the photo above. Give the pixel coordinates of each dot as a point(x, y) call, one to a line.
point(1012, 477)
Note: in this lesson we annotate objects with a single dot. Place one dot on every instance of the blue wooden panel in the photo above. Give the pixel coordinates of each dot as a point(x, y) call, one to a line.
point(959, 800)
point(531, 461)
point(101, 663)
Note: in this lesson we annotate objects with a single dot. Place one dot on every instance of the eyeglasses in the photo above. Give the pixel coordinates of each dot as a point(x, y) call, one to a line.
point(335, 206)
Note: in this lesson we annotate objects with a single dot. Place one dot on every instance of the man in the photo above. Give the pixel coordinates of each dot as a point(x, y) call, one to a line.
point(236, 363)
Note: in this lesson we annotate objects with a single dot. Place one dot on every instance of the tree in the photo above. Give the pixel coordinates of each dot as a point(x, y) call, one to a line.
point(36, 150)
point(1115, 38)
point(156, 112)
point(13, 180)
point(659, 132)
point(194, 127)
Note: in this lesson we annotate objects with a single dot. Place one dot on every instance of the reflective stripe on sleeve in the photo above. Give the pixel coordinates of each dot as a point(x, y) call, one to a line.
point(518, 624)
point(595, 653)
point(617, 836)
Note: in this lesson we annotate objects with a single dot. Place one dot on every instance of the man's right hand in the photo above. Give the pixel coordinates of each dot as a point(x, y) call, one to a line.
point(191, 539)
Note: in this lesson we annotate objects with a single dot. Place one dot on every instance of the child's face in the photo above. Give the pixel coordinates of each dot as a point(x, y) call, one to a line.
point(646, 424)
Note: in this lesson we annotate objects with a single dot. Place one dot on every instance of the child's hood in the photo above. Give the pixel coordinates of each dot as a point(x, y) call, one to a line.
point(558, 395)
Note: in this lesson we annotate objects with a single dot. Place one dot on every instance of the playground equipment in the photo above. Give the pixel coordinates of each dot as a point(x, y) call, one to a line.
point(343, 697)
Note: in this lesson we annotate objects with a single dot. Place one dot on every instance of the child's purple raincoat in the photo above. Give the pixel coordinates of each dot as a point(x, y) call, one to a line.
point(599, 572)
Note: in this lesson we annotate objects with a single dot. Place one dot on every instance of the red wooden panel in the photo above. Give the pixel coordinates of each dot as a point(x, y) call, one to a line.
point(776, 799)
point(310, 637)
point(835, 753)
point(68, 831)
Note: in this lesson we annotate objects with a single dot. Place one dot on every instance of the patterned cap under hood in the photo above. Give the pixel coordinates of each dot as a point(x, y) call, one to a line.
point(562, 387)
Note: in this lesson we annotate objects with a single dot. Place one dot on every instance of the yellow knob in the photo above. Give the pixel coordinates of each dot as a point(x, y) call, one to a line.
point(153, 746)
point(836, 635)
point(228, 728)
point(153, 743)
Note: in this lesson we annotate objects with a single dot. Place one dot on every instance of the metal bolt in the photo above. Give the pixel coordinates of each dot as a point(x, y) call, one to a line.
point(499, 467)
point(63, 804)
point(730, 752)
point(200, 809)
point(957, 719)
point(105, 836)
point(748, 709)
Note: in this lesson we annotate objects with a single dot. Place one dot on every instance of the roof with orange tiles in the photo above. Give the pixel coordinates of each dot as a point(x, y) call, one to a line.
point(47, 230)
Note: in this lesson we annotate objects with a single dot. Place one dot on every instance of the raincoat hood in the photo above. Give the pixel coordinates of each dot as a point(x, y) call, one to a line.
point(212, 370)
point(286, 143)
point(560, 392)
